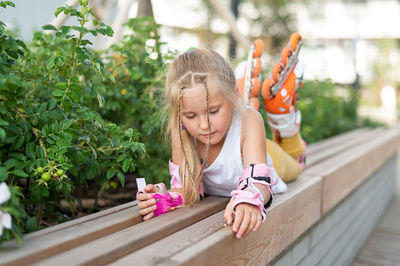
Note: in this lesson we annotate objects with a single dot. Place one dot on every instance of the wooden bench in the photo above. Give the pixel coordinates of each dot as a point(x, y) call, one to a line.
point(346, 175)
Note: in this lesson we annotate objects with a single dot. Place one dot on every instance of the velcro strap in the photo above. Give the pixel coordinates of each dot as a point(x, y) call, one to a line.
point(260, 169)
point(259, 173)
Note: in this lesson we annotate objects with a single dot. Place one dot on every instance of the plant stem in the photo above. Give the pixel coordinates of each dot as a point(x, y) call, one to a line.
point(39, 217)
point(72, 70)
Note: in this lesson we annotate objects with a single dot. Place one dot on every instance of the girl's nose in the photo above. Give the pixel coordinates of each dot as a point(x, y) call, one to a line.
point(203, 123)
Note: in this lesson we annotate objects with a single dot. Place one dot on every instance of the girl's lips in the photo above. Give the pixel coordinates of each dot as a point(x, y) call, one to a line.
point(206, 135)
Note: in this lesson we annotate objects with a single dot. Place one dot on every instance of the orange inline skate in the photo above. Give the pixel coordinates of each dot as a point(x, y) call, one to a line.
point(248, 75)
point(280, 92)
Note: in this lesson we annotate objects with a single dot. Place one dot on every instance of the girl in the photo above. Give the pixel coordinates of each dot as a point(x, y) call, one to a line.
point(218, 145)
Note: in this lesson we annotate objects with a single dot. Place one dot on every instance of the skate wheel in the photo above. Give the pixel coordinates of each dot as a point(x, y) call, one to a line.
point(258, 48)
point(266, 88)
point(294, 41)
point(286, 53)
point(276, 70)
point(255, 102)
point(255, 86)
point(256, 67)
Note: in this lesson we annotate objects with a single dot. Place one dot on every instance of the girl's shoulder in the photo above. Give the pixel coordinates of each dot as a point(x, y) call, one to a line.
point(252, 123)
point(251, 117)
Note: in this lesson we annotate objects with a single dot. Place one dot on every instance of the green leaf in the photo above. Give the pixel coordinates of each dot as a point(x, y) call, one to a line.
point(100, 99)
point(3, 174)
point(17, 235)
point(31, 224)
point(7, 3)
point(18, 143)
point(3, 122)
point(125, 166)
point(121, 157)
point(90, 172)
point(65, 124)
point(19, 173)
point(45, 192)
point(30, 150)
point(11, 163)
point(109, 76)
point(58, 92)
point(59, 10)
point(50, 64)
point(2, 134)
point(111, 172)
point(121, 178)
point(49, 27)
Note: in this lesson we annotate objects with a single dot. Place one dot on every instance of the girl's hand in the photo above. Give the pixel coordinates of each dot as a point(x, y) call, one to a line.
point(147, 204)
point(247, 218)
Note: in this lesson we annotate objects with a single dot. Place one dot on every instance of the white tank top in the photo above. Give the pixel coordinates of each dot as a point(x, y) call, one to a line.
point(221, 177)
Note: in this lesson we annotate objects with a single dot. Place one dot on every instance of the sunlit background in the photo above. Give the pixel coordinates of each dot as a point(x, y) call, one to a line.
point(350, 42)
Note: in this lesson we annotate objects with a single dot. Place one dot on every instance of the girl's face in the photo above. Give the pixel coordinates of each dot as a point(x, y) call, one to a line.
point(194, 114)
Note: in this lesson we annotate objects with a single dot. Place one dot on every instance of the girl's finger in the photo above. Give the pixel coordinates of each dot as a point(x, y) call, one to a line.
point(150, 188)
point(228, 214)
point(238, 219)
point(259, 222)
point(244, 225)
point(148, 216)
point(148, 210)
point(146, 203)
point(253, 222)
point(144, 196)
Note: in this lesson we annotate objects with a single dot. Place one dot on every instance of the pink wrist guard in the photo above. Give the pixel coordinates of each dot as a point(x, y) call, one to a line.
point(247, 192)
point(246, 196)
point(165, 201)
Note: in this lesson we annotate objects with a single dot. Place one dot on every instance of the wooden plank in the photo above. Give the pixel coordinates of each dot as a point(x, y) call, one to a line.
point(335, 140)
point(383, 245)
point(340, 144)
point(347, 170)
point(80, 220)
point(168, 246)
point(205, 228)
point(51, 244)
point(112, 247)
point(291, 214)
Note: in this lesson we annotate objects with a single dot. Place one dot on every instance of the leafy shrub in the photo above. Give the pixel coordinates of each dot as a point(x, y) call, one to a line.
point(135, 99)
point(51, 139)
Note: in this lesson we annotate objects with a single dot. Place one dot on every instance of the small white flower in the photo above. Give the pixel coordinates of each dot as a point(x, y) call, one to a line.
point(4, 193)
point(5, 221)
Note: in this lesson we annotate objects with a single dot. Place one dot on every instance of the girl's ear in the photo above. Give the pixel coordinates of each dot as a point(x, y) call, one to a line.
point(183, 126)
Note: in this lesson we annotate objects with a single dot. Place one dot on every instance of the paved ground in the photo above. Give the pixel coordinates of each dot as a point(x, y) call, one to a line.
point(383, 245)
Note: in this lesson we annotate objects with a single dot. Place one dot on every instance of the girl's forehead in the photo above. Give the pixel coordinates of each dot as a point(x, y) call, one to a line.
point(199, 90)
point(194, 99)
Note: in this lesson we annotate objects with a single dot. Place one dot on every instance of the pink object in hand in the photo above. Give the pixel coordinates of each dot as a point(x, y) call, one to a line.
point(165, 201)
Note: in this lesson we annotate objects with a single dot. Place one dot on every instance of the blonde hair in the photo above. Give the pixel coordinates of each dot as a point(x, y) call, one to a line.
point(198, 66)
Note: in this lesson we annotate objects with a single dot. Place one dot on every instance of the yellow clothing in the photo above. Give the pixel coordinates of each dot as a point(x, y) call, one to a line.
point(283, 154)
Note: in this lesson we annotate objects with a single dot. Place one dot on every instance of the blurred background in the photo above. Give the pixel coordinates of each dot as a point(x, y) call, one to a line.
point(349, 42)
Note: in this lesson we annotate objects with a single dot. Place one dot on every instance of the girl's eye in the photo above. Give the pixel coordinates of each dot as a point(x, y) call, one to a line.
point(214, 111)
point(190, 116)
